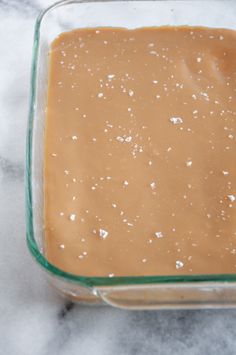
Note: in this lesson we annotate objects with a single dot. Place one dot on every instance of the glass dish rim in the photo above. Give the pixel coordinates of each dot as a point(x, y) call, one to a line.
point(86, 281)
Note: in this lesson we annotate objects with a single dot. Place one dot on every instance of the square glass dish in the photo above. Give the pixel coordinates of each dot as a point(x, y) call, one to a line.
point(149, 292)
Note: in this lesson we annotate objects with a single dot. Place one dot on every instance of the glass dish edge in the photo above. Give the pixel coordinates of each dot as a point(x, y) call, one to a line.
point(31, 242)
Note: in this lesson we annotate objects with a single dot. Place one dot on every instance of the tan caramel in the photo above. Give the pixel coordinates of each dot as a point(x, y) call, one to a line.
point(140, 173)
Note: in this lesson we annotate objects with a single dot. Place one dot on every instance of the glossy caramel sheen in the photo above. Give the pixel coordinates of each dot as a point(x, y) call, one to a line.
point(140, 173)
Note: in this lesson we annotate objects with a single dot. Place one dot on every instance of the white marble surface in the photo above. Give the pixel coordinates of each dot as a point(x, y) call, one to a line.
point(33, 319)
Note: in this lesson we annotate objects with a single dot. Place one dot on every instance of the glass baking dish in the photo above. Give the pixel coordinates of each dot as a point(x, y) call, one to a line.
point(154, 292)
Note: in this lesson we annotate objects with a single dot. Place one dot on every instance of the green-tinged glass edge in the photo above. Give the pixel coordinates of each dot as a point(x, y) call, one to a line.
point(32, 245)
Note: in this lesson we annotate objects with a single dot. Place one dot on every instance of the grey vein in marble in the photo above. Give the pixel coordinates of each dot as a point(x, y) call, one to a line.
point(19, 5)
point(11, 170)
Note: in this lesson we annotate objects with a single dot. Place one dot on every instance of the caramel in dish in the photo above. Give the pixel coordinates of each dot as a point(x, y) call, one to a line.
point(140, 173)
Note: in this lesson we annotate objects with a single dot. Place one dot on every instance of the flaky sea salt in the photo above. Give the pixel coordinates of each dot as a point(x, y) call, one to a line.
point(176, 120)
point(231, 198)
point(120, 139)
point(179, 264)
point(159, 234)
point(189, 163)
point(128, 139)
point(72, 217)
point(103, 233)
point(131, 92)
point(154, 53)
point(153, 185)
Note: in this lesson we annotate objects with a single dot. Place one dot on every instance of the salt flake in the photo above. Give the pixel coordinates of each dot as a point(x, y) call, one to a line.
point(189, 163)
point(153, 185)
point(176, 120)
point(232, 198)
point(128, 139)
point(130, 92)
point(72, 217)
point(103, 233)
point(120, 139)
point(179, 264)
point(159, 234)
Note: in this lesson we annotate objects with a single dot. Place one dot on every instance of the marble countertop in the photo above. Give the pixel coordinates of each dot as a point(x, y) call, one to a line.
point(34, 319)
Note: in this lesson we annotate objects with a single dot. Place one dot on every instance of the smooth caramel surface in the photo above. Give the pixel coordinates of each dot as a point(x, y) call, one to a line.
point(140, 173)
